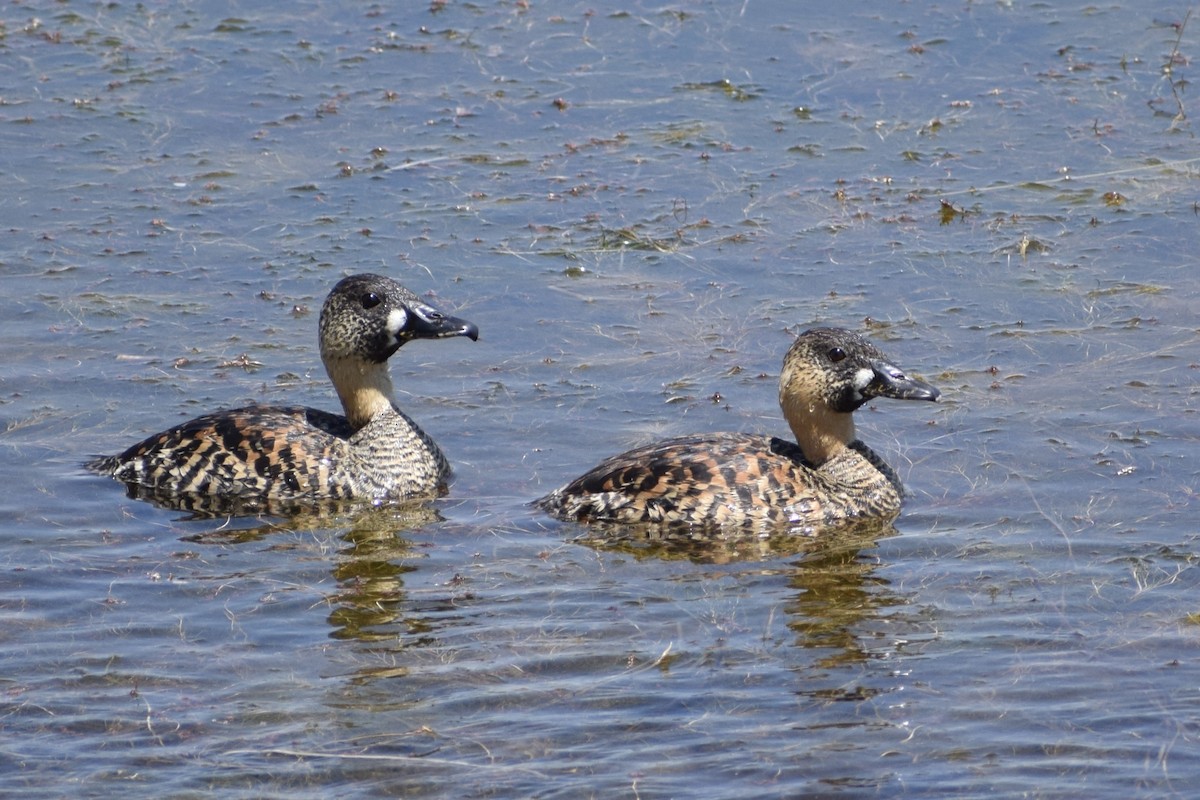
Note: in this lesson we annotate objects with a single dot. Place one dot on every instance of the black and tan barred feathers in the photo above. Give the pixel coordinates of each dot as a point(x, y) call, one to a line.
point(732, 480)
point(258, 456)
point(272, 457)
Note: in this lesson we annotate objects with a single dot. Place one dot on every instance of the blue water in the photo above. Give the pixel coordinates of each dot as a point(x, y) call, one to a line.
point(639, 207)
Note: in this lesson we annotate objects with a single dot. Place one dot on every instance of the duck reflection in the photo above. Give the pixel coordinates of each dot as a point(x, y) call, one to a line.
point(369, 555)
point(290, 513)
point(371, 601)
point(701, 547)
point(385, 520)
point(835, 592)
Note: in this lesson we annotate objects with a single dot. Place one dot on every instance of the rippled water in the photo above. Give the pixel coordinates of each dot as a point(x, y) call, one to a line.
point(638, 206)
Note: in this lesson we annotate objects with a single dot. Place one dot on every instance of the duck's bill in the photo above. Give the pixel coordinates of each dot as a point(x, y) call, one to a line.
point(890, 381)
point(426, 322)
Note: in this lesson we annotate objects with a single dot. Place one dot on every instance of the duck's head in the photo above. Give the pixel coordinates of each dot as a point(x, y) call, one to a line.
point(368, 317)
point(828, 374)
point(365, 319)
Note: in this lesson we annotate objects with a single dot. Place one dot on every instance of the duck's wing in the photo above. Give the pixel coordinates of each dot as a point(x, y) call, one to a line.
point(256, 450)
point(706, 479)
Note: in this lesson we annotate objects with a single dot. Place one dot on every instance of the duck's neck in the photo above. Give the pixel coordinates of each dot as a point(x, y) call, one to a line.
point(364, 388)
point(820, 432)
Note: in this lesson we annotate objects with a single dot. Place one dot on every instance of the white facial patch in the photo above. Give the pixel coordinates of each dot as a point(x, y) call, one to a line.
point(397, 318)
point(863, 378)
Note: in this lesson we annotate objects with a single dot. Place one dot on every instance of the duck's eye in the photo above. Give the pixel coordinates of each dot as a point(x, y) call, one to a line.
point(836, 354)
point(370, 300)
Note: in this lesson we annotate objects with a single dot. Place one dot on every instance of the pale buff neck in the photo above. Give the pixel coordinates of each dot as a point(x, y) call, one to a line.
point(821, 432)
point(365, 389)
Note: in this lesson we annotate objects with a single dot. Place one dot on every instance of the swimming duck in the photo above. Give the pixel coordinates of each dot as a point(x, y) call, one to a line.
point(253, 457)
point(734, 480)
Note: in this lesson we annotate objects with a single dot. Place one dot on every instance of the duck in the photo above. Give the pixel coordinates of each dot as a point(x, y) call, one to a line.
point(823, 477)
point(260, 456)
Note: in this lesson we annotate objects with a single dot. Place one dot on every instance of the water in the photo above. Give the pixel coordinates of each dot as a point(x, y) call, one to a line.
point(638, 207)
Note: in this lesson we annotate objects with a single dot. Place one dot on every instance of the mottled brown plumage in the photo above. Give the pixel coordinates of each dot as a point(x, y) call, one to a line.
point(742, 481)
point(267, 457)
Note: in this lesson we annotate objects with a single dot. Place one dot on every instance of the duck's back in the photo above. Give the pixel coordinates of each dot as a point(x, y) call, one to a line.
point(283, 453)
point(729, 480)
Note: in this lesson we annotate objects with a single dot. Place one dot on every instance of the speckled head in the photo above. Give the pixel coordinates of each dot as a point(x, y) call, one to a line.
point(828, 374)
point(368, 317)
point(843, 370)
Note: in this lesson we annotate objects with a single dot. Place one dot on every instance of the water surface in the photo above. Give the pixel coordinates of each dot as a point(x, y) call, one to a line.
point(639, 206)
